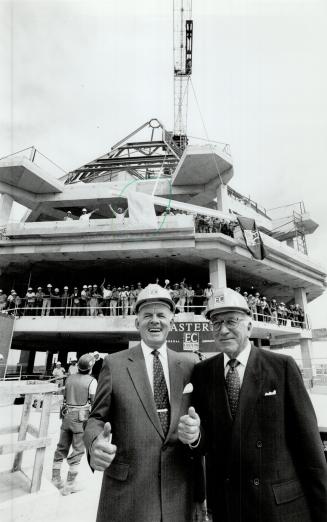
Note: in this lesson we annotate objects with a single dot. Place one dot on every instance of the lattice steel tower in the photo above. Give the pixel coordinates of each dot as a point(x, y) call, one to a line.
point(183, 40)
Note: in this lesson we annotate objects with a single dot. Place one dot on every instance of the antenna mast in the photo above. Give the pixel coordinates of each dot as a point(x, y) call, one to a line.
point(183, 40)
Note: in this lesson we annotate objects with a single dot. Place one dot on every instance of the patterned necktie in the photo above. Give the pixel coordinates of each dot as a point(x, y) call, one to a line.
point(233, 385)
point(160, 392)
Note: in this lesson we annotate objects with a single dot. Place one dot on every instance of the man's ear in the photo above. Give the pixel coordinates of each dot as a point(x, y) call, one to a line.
point(136, 322)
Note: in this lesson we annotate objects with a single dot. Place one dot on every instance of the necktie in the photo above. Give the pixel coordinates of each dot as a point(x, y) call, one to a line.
point(233, 385)
point(160, 392)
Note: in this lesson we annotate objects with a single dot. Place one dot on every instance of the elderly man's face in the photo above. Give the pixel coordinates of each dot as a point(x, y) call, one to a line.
point(154, 322)
point(231, 331)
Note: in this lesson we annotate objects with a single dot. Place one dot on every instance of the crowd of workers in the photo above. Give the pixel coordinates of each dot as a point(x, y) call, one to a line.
point(107, 299)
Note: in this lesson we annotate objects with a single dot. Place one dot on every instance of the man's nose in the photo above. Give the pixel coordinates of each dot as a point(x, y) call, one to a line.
point(154, 319)
point(223, 329)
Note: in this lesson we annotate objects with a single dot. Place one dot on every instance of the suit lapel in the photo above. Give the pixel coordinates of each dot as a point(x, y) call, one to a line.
point(250, 392)
point(176, 389)
point(137, 371)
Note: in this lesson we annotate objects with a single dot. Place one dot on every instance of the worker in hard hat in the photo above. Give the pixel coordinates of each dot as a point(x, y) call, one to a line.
point(253, 418)
point(78, 397)
point(132, 430)
point(85, 216)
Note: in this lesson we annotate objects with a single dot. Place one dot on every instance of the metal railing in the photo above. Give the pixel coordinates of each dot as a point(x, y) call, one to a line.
point(118, 309)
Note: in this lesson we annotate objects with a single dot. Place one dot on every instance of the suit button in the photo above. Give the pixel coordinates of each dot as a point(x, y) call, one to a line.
point(259, 443)
point(256, 482)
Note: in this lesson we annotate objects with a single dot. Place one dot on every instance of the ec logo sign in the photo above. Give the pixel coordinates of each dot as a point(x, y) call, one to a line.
point(191, 341)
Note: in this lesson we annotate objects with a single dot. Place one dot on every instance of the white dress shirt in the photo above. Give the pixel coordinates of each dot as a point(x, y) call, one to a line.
point(242, 358)
point(163, 356)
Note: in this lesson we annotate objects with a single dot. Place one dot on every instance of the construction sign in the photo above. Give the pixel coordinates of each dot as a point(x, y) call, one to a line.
point(191, 337)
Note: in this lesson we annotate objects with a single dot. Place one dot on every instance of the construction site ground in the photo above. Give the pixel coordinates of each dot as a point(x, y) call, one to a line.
point(17, 505)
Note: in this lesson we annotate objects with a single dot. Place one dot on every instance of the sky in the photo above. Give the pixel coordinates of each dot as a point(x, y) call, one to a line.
point(77, 76)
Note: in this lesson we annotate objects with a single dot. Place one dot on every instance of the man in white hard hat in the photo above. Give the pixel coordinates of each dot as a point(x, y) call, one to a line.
point(254, 419)
point(148, 473)
point(79, 394)
point(46, 303)
point(85, 216)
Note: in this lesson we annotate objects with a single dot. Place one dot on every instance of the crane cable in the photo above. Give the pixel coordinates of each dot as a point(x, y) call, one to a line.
point(166, 153)
point(206, 132)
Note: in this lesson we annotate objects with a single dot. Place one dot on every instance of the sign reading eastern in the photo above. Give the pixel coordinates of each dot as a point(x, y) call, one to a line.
point(191, 337)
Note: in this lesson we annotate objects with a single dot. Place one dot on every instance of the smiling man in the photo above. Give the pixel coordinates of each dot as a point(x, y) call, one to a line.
point(131, 434)
point(265, 461)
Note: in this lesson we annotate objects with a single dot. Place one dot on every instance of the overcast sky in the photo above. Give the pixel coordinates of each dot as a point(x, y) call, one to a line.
point(77, 76)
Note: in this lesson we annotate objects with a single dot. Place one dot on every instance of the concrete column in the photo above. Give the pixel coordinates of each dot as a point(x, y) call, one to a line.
point(222, 198)
point(48, 364)
point(300, 298)
point(6, 203)
point(217, 271)
point(27, 358)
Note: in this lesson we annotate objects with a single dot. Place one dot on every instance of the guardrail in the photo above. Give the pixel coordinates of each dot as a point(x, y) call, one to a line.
point(115, 309)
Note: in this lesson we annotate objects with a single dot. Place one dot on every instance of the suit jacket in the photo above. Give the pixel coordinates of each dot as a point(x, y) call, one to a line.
point(268, 464)
point(151, 478)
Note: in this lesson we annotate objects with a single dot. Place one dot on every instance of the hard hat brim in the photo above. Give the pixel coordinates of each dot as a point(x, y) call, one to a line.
point(215, 311)
point(154, 300)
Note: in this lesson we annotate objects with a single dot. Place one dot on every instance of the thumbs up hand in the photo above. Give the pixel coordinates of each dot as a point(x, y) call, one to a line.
point(189, 427)
point(102, 452)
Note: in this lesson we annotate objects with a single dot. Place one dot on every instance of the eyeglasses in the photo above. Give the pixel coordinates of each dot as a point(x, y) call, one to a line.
point(229, 323)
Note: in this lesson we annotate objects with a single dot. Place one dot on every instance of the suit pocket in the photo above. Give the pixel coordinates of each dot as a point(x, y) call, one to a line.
point(287, 491)
point(118, 471)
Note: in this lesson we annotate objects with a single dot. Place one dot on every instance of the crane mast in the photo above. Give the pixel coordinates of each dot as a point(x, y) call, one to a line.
point(183, 41)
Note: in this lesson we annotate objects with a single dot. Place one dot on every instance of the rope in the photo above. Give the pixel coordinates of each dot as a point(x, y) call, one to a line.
point(166, 153)
point(206, 132)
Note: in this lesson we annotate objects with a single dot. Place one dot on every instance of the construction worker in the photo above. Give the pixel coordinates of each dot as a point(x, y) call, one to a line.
point(78, 397)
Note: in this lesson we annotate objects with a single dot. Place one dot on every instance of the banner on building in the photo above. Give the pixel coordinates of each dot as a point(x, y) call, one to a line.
point(191, 337)
point(252, 237)
point(6, 329)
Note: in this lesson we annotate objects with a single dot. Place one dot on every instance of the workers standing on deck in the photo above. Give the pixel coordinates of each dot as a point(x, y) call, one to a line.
point(78, 397)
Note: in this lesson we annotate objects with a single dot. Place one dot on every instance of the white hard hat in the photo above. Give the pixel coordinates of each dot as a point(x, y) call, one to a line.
point(154, 294)
point(49, 285)
point(65, 287)
point(84, 286)
point(30, 289)
point(226, 300)
point(84, 210)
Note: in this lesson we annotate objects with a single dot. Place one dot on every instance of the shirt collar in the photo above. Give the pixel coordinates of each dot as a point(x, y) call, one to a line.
point(242, 357)
point(147, 349)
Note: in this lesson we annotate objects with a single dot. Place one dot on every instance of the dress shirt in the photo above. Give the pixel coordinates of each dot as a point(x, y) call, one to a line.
point(148, 357)
point(242, 358)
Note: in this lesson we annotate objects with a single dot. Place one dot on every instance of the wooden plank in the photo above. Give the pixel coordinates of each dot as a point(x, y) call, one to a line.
point(8, 431)
point(19, 387)
point(22, 431)
point(25, 445)
point(40, 452)
point(32, 430)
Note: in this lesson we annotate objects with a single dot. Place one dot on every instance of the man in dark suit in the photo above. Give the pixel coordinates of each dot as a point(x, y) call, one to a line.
point(141, 394)
point(265, 461)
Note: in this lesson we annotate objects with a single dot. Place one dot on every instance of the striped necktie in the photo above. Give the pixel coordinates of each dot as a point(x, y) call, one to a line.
point(233, 385)
point(160, 392)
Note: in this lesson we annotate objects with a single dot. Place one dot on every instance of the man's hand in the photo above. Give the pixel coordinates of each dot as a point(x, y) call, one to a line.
point(189, 427)
point(102, 452)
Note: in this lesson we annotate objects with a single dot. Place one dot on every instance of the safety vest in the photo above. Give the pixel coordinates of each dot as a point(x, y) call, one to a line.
point(77, 389)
